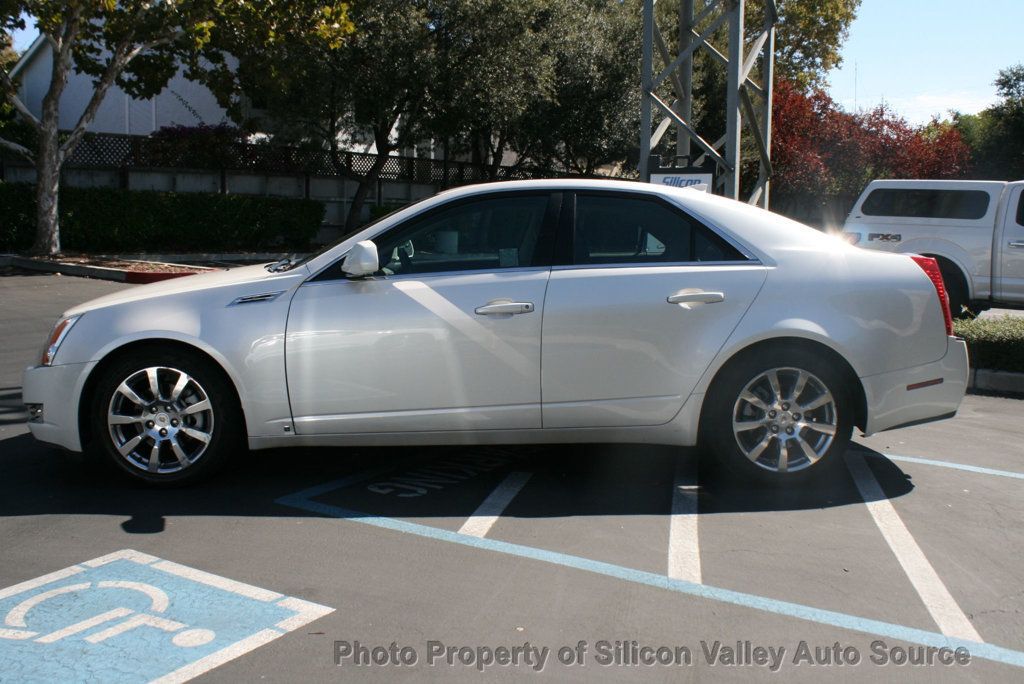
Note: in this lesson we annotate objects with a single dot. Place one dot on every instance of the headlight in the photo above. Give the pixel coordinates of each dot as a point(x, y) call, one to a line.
point(60, 331)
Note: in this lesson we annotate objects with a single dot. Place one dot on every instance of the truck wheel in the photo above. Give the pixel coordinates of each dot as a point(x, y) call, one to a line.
point(956, 290)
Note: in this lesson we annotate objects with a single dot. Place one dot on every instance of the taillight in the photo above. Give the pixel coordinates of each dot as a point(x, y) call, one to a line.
point(931, 268)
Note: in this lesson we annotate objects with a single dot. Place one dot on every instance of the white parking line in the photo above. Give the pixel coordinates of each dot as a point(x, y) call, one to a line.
point(683, 542)
point(484, 517)
point(936, 597)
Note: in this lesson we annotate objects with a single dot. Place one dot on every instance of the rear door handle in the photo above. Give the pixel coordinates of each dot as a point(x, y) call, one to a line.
point(1017, 243)
point(504, 307)
point(695, 297)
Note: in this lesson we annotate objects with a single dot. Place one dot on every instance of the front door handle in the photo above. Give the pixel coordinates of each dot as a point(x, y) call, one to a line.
point(1017, 243)
point(504, 307)
point(695, 297)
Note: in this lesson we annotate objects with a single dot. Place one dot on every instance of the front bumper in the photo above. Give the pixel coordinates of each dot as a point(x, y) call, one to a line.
point(893, 400)
point(57, 389)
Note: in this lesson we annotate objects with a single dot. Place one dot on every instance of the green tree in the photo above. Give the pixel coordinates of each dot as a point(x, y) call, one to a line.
point(465, 73)
point(8, 56)
point(137, 44)
point(592, 116)
point(498, 61)
point(374, 88)
point(996, 134)
point(809, 36)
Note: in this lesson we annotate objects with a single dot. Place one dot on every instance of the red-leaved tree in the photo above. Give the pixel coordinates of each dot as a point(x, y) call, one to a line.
point(823, 157)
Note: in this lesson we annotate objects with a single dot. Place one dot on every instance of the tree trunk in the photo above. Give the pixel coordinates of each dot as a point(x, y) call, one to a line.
point(48, 165)
point(365, 183)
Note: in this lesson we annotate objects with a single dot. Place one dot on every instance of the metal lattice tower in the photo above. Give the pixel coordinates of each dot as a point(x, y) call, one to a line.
point(747, 101)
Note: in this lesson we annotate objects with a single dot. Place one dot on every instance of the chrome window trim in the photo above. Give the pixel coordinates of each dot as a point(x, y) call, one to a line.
point(424, 276)
point(657, 264)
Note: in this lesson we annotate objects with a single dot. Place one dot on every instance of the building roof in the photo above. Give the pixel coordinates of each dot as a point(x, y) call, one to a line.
point(28, 55)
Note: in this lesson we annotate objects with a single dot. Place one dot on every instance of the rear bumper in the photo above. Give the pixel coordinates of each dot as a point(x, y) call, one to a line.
point(57, 388)
point(912, 395)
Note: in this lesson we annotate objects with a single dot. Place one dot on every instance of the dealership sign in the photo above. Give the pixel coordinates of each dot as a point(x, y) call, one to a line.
point(684, 180)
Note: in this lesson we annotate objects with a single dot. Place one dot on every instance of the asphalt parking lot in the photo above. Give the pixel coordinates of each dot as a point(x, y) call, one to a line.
point(918, 542)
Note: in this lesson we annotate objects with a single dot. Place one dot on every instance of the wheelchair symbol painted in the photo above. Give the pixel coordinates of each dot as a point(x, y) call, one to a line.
point(16, 619)
point(132, 617)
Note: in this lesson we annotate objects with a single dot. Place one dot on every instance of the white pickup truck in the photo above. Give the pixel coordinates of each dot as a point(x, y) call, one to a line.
point(974, 229)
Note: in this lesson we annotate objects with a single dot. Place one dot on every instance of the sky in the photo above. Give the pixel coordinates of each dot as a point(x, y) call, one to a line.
point(921, 57)
point(925, 57)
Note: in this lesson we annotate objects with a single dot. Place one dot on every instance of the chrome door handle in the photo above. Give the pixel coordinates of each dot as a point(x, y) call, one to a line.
point(1017, 243)
point(695, 297)
point(504, 306)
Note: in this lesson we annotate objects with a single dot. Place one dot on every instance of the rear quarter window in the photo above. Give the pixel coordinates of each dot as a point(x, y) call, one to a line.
point(927, 203)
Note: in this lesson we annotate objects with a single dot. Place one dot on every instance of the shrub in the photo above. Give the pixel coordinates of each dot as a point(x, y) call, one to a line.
point(996, 343)
point(104, 220)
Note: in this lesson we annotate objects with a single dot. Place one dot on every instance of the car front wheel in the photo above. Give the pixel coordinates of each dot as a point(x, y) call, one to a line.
point(165, 417)
point(779, 416)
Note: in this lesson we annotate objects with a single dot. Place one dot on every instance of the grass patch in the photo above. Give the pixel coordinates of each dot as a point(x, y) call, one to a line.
point(996, 343)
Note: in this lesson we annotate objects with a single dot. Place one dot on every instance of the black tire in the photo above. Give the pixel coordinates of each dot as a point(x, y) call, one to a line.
point(731, 448)
point(956, 291)
point(177, 425)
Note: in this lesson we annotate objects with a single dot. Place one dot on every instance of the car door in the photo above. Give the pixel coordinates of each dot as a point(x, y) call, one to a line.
point(649, 298)
point(1009, 284)
point(446, 336)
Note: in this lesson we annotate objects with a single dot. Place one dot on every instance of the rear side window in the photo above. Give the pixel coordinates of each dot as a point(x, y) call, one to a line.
point(1020, 210)
point(926, 203)
point(627, 230)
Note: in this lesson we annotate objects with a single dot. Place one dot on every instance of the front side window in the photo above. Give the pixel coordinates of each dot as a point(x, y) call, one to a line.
point(1020, 209)
point(926, 203)
point(484, 234)
point(627, 230)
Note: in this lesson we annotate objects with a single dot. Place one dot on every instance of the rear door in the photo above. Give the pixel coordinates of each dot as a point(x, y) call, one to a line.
point(648, 297)
point(1009, 282)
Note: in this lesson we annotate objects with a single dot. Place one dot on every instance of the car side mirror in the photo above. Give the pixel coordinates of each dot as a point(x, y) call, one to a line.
point(361, 260)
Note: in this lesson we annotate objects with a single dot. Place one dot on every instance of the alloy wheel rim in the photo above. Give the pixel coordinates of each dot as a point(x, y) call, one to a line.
point(160, 420)
point(785, 420)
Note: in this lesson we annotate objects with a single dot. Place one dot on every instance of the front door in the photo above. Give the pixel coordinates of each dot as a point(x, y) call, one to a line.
point(1009, 285)
point(632, 324)
point(445, 337)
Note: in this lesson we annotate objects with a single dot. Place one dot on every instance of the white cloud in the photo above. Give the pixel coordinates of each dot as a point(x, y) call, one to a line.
point(919, 108)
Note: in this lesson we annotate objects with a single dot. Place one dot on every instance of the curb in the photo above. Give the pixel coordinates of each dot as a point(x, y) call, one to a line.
point(84, 271)
point(208, 257)
point(987, 380)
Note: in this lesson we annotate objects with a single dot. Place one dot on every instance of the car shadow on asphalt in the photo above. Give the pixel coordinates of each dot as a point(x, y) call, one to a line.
point(412, 483)
point(12, 408)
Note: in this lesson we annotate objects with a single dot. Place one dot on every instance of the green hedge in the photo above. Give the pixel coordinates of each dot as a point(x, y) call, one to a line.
point(105, 220)
point(996, 343)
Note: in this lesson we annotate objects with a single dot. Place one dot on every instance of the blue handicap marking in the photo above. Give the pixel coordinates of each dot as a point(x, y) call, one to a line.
point(132, 617)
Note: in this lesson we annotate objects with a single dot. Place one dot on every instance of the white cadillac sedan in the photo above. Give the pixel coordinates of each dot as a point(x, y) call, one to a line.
point(523, 312)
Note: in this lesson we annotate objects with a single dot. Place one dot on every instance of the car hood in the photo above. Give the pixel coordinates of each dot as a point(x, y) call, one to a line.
point(257, 277)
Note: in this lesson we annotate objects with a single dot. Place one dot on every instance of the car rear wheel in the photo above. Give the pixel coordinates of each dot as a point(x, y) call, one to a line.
point(779, 416)
point(165, 417)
